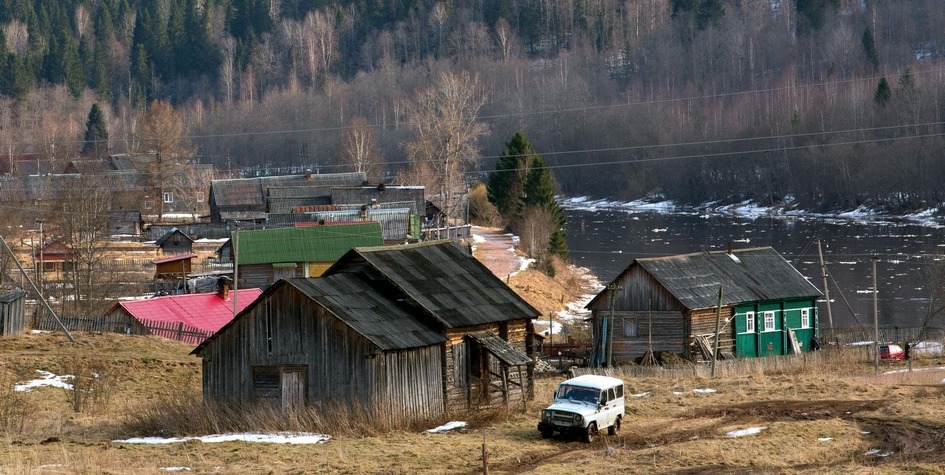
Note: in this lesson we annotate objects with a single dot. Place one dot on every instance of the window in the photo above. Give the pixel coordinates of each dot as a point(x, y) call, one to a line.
point(769, 321)
point(148, 204)
point(749, 322)
point(629, 327)
point(168, 197)
point(805, 318)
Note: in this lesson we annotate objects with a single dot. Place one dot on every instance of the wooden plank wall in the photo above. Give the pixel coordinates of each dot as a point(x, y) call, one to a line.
point(342, 367)
point(13, 317)
point(667, 334)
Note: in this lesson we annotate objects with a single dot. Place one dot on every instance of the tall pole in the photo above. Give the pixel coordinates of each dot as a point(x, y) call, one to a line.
point(236, 268)
point(41, 299)
point(41, 270)
point(610, 329)
point(718, 323)
point(875, 322)
point(823, 273)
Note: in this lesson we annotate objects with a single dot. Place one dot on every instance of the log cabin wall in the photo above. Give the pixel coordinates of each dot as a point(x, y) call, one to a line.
point(289, 330)
point(702, 323)
point(464, 391)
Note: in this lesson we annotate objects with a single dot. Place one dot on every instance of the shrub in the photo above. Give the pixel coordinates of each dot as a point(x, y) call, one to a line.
point(91, 387)
point(15, 409)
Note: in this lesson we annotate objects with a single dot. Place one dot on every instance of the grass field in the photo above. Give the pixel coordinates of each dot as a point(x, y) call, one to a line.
point(830, 416)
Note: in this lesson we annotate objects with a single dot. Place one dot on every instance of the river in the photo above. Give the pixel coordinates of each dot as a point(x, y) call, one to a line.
point(606, 239)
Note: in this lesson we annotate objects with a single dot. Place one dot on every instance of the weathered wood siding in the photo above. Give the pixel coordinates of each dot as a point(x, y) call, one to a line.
point(177, 268)
point(639, 298)
point(340, 366)
point(255, 275)
point(12, 317)
point(464, 390)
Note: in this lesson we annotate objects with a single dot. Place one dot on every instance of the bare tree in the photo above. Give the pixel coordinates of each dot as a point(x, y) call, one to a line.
point(444, 118)
point(162, 133)
point(535, 229)
point(359, 147)
point(190, 185)
point(228, 67)
point(84, 229)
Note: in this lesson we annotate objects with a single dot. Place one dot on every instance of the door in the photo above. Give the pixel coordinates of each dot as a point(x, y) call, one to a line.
point(293, 389)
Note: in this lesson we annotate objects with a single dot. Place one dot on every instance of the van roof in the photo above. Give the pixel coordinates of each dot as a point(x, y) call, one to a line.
point(594, 381)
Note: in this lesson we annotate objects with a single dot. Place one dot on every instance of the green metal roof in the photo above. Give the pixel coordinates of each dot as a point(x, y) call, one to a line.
point(324, 243)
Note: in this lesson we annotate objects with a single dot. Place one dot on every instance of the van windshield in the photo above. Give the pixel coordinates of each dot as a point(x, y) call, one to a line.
point(578, 393)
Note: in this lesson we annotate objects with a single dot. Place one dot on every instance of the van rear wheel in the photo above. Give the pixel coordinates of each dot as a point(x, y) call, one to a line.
point(614, 429)
point(590, 432)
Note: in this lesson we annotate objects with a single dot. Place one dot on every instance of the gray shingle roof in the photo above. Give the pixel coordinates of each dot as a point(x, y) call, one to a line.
point(453, 287)
point(253, 191)
point(379, 319)
point(745, 275)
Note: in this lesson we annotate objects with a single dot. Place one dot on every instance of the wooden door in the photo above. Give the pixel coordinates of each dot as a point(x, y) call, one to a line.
point(293, 389)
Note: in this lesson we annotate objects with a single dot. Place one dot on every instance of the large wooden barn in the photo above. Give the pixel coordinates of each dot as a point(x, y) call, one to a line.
point(670, 304)
point(408, 333)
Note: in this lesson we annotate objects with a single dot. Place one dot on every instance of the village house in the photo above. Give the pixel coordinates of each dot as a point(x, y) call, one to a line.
point(264, 256)
point(55, 260)
point(406, 333)
point(176, 266)
point(190, 318)
point(670, 304)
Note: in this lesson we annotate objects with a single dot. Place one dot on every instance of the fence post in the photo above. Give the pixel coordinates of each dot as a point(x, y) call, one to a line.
point(180, 330)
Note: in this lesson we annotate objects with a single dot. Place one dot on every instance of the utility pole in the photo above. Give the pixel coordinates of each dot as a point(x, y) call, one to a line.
point(875, 322)
point(823, 273)
point(42, 244)
point(610, 330)
point(236, 275)
point(718, 323)
point(41, 299)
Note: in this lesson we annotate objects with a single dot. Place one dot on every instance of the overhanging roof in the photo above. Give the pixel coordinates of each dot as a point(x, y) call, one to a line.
point(500, 348)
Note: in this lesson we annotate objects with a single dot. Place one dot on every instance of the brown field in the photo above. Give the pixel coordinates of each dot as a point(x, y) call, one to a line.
point(901, 417)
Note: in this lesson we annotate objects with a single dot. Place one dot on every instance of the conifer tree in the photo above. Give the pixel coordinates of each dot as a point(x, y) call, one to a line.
point(96, 134)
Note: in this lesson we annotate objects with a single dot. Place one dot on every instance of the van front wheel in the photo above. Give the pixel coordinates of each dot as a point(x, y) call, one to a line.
point(590, 432)
point(614, 429)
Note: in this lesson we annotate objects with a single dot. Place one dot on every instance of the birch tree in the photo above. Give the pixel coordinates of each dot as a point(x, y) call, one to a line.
point(445, 120)
point(359, 147)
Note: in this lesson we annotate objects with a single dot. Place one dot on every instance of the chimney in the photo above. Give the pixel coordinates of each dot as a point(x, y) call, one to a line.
point(223, 288)
point(731, 247)
point(308, 176)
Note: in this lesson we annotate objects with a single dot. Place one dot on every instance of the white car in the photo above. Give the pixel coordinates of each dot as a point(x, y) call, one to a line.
point(584, 406)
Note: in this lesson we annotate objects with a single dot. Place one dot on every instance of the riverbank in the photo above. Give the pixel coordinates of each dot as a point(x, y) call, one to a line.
point(561, 297)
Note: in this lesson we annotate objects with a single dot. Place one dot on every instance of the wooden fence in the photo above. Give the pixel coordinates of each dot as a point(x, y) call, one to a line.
point(122, 324)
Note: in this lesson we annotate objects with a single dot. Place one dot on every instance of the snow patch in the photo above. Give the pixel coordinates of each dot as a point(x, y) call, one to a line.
point(704, 391)
point(448, 427)
point(639, 395)
point(478, 239)
point(745, 432)
point(824, 439)
point(48, 379)
point(295, 438)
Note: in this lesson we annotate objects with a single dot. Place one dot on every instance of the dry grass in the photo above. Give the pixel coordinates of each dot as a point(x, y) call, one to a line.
point(670, 430)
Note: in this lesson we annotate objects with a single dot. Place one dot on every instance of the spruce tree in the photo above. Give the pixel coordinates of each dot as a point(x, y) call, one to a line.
point(96, 134)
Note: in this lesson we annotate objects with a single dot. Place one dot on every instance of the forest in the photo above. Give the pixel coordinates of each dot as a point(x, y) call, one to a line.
point(823, 104)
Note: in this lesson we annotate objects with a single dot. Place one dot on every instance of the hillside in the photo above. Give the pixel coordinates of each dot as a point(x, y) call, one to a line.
point(826, 105)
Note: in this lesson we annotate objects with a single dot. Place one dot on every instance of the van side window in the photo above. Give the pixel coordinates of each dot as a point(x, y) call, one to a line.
point(611, 394)
point(619, 390)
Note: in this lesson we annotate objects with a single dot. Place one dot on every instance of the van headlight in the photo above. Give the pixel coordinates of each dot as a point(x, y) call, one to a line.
point(578, 419)
point(546, 415)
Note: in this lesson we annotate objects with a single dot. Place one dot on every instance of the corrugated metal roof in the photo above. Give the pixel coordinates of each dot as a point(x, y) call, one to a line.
point(204, 311)
point(368, 312)
point(745, 275)
point(455, 288)
point(253, 191)
point(9, 295)
point(306, 244)
point(500, 348)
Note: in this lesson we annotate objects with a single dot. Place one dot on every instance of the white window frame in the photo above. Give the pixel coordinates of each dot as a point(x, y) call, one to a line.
point(749, 322)
point(805, 318)
point(770, 323)
point(168, 197)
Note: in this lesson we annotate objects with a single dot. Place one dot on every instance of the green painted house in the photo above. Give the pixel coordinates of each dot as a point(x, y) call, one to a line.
point(670, 304)
point(267, 255)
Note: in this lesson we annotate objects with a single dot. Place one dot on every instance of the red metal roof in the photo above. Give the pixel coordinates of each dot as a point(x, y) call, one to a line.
point(179, 257)
point(204, 311)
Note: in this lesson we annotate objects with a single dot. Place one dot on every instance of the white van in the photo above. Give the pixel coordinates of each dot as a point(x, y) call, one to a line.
point(585, 405)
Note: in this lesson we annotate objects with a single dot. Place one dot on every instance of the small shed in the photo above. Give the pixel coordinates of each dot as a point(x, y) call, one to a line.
point(12, 312)
point(406, 333)
point(670, 304)
point(173, 267)
point(175, 241)
point(55, 259)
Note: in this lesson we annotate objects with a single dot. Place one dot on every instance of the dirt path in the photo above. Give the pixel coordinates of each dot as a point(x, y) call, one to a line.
point(496, 249)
